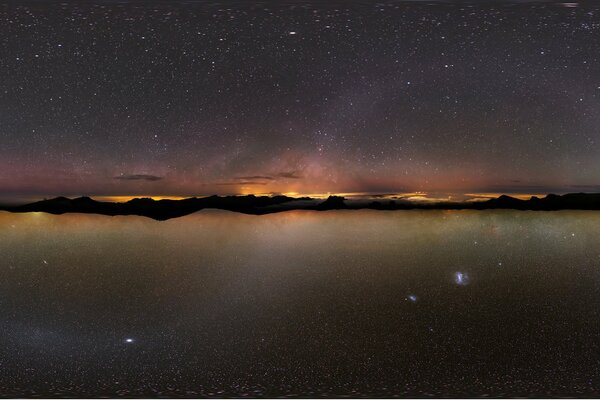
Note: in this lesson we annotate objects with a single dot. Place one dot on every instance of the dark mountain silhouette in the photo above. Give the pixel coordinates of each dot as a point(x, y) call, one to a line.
point(257, 205)
point(156, 209)
point(552, 202)
point(332, 203)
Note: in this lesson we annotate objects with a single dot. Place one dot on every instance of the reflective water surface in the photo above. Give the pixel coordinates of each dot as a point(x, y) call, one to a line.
point(347, 303)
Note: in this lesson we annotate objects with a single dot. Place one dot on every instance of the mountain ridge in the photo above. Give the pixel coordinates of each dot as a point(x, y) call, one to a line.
point(258, 205)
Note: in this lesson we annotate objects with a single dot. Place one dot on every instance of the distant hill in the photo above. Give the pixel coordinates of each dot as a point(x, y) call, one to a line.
point(156, 209)
point(257, 205)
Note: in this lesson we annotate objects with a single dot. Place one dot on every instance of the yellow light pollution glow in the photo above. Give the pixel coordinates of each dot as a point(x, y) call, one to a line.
point(409, 196)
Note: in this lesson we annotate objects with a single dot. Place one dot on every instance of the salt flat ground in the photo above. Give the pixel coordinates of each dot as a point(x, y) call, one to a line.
point(355, 303)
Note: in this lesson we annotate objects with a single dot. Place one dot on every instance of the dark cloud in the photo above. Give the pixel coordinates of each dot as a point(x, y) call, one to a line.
point(241, 183)
point(283, 174)
point(289, 175)
point(139, 177)
point(254, 177)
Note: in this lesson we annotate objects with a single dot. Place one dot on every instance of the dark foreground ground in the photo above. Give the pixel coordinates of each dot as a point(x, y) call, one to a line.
point(301, 304)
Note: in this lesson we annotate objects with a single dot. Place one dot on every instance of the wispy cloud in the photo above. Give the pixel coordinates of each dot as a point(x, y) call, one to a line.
point(241, 183)
point(289, 175)
point(273, 177)
point(254, 178)
point(138, 177)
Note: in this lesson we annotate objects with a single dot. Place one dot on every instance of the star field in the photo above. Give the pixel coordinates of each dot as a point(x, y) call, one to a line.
point(189, 98)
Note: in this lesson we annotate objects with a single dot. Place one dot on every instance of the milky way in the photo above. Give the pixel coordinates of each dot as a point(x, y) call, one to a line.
point(192, 98)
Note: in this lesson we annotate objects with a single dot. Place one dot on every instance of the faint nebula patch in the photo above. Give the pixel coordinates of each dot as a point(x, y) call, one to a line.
point(461, 278)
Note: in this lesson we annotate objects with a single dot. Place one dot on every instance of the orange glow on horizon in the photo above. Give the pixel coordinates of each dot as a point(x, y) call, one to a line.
point(410, 196)
point(123, 199)
point(487, 196)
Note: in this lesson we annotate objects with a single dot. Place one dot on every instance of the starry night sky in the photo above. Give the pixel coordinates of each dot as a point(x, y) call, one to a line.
point(199, 98)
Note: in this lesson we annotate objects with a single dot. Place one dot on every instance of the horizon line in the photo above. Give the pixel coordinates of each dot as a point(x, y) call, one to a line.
point(420, 196)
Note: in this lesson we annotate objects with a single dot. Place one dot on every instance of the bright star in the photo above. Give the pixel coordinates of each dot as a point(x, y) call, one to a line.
point(129, 340)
